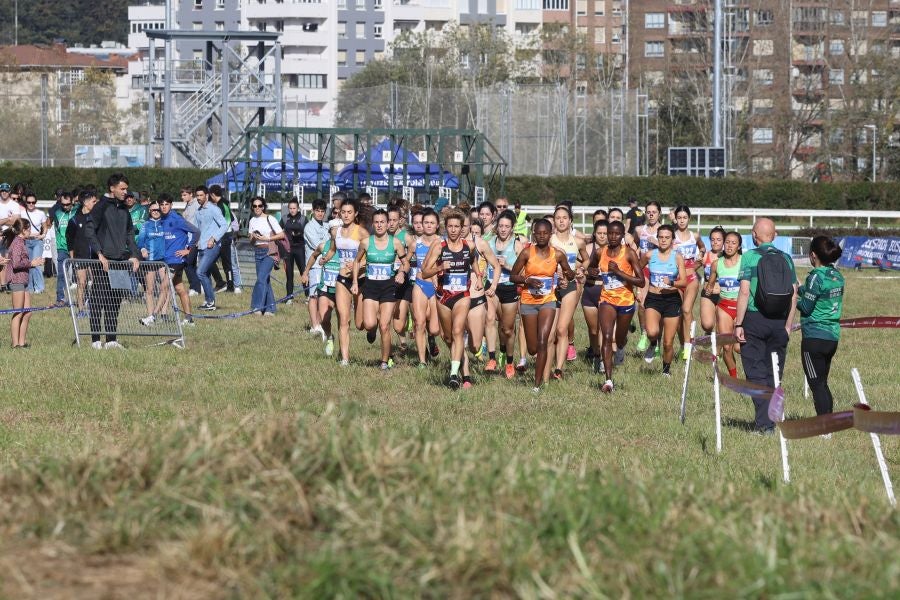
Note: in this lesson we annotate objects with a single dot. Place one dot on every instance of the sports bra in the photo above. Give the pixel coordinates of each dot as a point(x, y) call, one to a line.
point(660, 270)
point(688, 249)
point(509, 254)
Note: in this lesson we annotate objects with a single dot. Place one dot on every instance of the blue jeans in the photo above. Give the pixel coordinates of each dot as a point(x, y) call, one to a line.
point(235, 267)
point(205, 260)
point(263, 298)
point(61, 256)
point(35, 274)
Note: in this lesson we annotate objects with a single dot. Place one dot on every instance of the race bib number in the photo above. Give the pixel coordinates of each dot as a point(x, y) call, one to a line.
point(659, 280)
point(329, 278)
point(571, 257)
point(729, 284)
point(413, 273)
point(688, 251)
point(378, 272)
point(707, 271)
point(347, 255)
point(456, 282)
point(546, 287)
point(504, 275)
point(611, 281)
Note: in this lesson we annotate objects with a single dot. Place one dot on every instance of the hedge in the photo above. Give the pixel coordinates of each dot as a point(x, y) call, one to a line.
point(613, 191)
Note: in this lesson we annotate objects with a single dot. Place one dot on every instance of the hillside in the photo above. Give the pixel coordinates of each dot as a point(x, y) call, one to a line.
point(77, 21)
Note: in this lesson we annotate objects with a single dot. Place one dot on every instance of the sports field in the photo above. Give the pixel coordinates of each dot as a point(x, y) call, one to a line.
point(249, 465)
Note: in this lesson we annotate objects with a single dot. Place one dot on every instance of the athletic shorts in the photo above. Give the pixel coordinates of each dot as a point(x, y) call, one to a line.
point(563, 292)
point(404, 292)
point(18, 287)
point(729, 306)
point(624, 310)
point(668, 305)
point(328, 293)
point(507, 294)
point(450, 299)
point(476, 302)
point(714, 298)
point(176, 271)
point(146, 268)
point(532, 309)
point(347, 282)
point(427, 288)
point(591, 296)
point(380, 291)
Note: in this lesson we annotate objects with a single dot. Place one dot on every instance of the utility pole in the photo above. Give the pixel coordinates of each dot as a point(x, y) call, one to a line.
point(16, 25)
point(717, 77)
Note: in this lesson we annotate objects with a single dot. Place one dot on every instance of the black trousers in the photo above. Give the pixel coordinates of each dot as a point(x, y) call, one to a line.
point(104, 303)
point(225, 257)
point(190, 269)
point(817, 355)
point(296, 255)
point(764, 336)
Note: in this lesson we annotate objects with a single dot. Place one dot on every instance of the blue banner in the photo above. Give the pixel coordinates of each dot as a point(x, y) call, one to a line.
point(882, 252)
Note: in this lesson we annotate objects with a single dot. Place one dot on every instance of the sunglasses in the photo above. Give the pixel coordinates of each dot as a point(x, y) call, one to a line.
point(31, 203)
point(155, 210)
point(257, 206)
point(65, 204)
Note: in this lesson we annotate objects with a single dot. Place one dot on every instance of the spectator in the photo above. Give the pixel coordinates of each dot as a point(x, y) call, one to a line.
point(315, 232)
point(635, 216)
point(212, 226)
point(225, 256)
point(112, 234)
point(293, 224)
point(190, 215)
point(61, 216)
point(137, 211)
point(79, 244)
point(521, 228)
point(152, 244)
point(821, 304)
point(180, 238)
point(19, 264)
point(263, 230)
point(34, 241)
point(762, 332)
point(9, 212)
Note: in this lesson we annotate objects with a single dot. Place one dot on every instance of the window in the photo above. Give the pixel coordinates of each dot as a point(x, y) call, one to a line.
point(342, 4)
point(197, 26)
point(198, 4)
point(763, 76)
point(762, 135)
point(581, 32)
point(556, 4)
point(522, 28)
point(360, 4)
point(308, 81)
point(763, 18)
point(261, 26)
point(836, 76)
point(836, 47)
point(279, 26)
point(311, 27)
point(599, 35)
point(617, 35)
point(654, 49)
point(342, 30)
point(654, 20)
point(763, 47)
point(360, 31)
point(378, 5)
point(879, 18)
point(198, 56)
point(220, 4)
point(837, 17)
point(580, 7)
point(836, 136)
point(599, 7)
point(762, 164)
point(360, 57)
point(528, 4)
point(376, 31)
point(859, 19)
point(762, 106)
point(342, 58)
point(220, 25)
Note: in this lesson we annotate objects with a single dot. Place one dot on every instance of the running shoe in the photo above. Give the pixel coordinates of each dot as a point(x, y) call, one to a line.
point(421, 366)
point(345, 363)
point(571, 354)
point(390, 362)
point(289, 301)
point(535, 390)
point(188, 323)
point(522, 366)
point(113, 345)
point(650, 354)
point(98, 345)
point(620, 356)
point(384, 366)
point(193, 293)
point(237, 290)
point(599, 367)
point(208, 306)
point(329, 347)
point(222, 288)
point(685, 352)
point(510, 371)
point(454, 382)
point(467, 385)
point(433, 349)
point(607, 387)
point(371, 335)
point(491, 367)
point(556, 375)
point(148, 320)
point(643, 343)
point(667, 375)
point(82, 314)
point(317, 330)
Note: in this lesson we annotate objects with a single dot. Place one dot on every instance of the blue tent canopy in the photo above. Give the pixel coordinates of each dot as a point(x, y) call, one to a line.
point(271, 171)
point(384, 174)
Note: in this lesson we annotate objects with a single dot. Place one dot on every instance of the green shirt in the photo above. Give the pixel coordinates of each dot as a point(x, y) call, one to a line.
point(139, 216)
point(521, 227)
point(749, 263)
point(61, 221)
point(821, 302)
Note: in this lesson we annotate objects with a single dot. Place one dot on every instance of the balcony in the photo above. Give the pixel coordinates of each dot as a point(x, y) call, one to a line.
point(809, 28)
point(689, 60)
point(809, 93)
point(408, 10)
point(681, 30)
point(284, 10)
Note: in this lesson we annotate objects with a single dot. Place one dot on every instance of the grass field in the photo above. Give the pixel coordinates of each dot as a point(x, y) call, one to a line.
point(249, 465)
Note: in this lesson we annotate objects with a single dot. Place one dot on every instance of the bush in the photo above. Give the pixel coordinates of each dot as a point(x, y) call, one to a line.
point(45, 181)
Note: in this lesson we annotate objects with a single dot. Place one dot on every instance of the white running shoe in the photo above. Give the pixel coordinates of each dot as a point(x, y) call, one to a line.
point(192, 293)
point(148, 321)
point(237, 290)
point(329, 347)
point(114, 345)
point(98, 345)
point(607, 387)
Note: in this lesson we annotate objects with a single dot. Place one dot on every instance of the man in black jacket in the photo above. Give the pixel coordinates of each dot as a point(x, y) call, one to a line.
point(293, 224)
point(111, 231)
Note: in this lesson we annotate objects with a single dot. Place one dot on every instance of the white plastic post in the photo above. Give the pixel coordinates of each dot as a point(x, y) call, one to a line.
point(785, 467)
point(805, 387)
point(687, 369)
point(876, 443)
point(716, 396)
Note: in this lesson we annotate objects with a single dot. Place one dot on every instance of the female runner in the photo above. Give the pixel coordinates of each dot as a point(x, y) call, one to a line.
point(505, 305)
point(487, 214)
point(663, 301)
point(590, 298)
point(535, 270)
point(569, 290)
point(475, 322)
point(326, 291)
point(724, 276)
point(396, 221)
point(379, 290)
point(646, 240)
point(692, 249)
point(620, 270)
point(424, 299)
point(709, 296)
point(452, 260)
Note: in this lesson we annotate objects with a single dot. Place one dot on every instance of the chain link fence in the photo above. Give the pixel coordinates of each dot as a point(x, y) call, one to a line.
point(538, 129)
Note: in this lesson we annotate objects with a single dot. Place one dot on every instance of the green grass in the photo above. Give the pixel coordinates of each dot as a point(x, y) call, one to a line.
point(250, 465)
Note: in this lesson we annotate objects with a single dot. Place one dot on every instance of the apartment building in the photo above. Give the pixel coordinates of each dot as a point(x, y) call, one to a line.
point(790, 69)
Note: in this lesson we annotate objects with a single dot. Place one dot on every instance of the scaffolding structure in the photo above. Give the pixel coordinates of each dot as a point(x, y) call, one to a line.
point(464, 153)
point(201, 107)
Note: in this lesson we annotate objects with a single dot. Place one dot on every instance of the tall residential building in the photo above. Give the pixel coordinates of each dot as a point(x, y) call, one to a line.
point(791, 72)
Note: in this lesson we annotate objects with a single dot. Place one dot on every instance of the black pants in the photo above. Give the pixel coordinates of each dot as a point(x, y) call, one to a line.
point(225, 257)
point(817, 355)
point(296, 255)
point(102, 299)
point(190, 269)
point(764, 336)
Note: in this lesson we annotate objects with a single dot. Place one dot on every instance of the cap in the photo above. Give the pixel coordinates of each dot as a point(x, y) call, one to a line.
point(632, 200)
point(4, 187)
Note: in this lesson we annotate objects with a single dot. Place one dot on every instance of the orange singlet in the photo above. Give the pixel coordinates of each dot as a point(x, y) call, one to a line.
point(543, 269)
point(616, 291)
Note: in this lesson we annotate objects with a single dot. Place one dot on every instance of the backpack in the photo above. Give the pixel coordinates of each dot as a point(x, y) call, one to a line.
point(775, 285)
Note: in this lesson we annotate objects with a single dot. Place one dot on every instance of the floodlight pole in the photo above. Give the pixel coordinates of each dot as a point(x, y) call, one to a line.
point(717, 76)
point(874, 148)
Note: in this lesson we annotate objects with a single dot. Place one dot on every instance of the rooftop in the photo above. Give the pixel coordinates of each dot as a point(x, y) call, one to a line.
point(57, 56)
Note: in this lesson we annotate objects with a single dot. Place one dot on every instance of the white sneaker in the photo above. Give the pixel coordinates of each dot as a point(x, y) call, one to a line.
point(114, 345)
point(345, 363)
point(825, 436)
point(237, 290)
point(148, 321)
point(288, 302)
point(329, 347)
point(607, 387)
point(193, 293)
point(188, 323)
point(73, 286)
point(98, 345)
point(268, 314)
